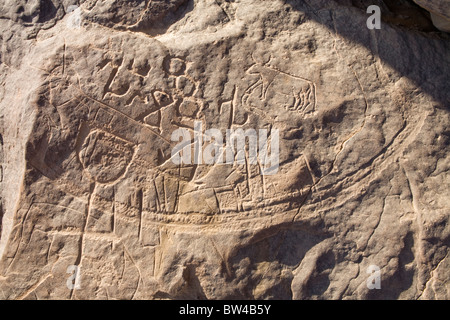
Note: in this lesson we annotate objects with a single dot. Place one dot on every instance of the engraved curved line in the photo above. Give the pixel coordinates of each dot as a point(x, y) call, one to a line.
point(125, 115)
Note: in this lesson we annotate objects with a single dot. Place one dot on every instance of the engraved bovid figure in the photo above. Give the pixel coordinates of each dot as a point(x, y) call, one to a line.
point(275, 87)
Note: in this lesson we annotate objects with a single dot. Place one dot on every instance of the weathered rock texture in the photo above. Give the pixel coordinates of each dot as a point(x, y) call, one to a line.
point(87, 113)
point(439, 11)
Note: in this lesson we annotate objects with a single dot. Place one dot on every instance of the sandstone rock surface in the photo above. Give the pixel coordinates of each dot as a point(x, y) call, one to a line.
point(440, 12)
point(92, 91)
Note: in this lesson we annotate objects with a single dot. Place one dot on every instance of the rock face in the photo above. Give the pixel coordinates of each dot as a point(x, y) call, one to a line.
point(440, 12)
point(95, 207)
